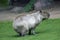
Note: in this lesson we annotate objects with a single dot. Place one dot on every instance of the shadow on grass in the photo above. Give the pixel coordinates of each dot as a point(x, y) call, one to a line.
point(16, 36)
point(39, 32)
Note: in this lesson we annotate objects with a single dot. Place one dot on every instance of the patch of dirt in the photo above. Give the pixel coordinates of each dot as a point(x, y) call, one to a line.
point(10, 16)
point(54, 13)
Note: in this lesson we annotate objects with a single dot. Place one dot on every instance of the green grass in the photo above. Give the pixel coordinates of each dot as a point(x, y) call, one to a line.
point(3, 3)
point(27, 8)
point(46, 30)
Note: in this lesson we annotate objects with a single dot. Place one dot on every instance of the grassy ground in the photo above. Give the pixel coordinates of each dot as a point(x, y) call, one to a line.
point(28, 7)
point(47, 30)
point(3, 3)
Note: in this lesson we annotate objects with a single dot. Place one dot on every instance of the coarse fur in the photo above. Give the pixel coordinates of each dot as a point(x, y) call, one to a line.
point(27, 22)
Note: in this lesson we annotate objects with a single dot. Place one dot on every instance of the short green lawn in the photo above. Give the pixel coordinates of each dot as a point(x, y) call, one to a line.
point(47, 30)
